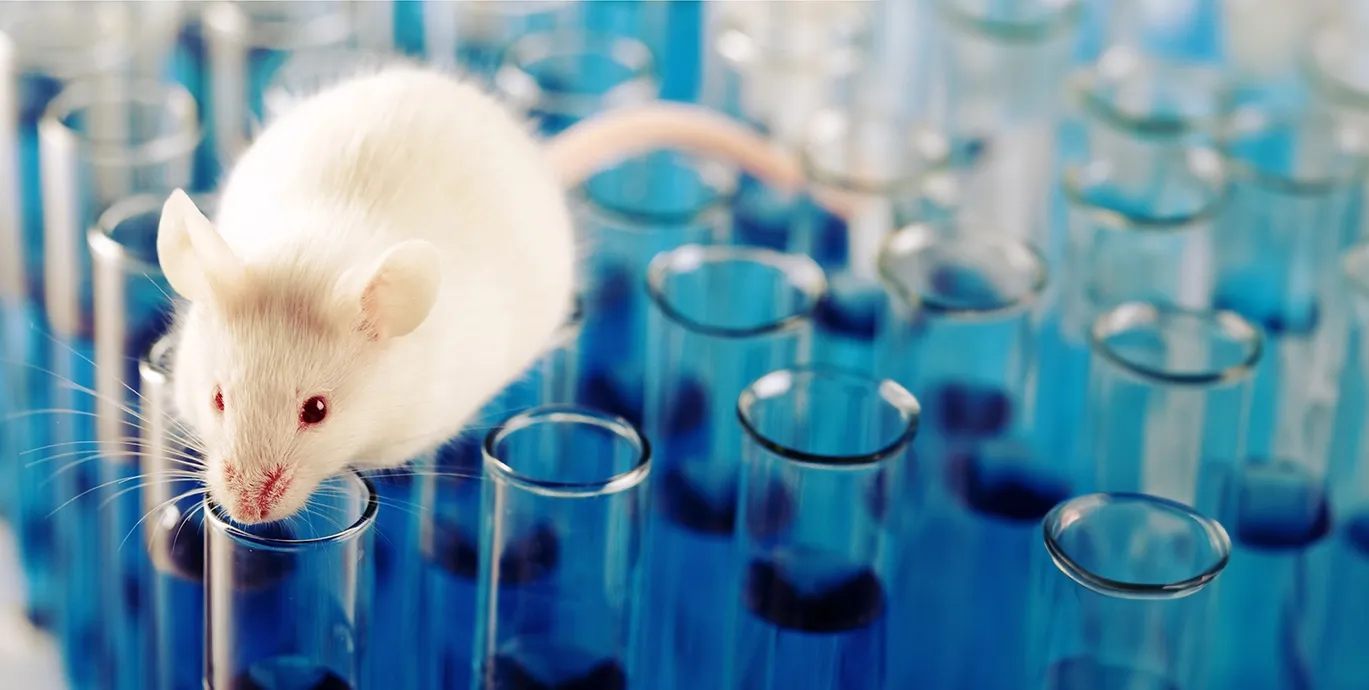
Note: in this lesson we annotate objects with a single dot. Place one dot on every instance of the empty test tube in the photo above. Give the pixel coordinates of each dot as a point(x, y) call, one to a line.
point(46, 45)
point(174, 528)
point(559, 77)
point(1119, 596)
point(452, 517)
point(561, 551)
point(631, 213)
point(475, 35)
point(706, 343)
point(133, 311)
point(1169, 395)
point(289, 604)
point(98, 144)
point(812, 576)
point(961, 335)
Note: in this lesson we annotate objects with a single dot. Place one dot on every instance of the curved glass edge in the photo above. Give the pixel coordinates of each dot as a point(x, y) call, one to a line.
point(922, 236)
point(217, 521)
point(1079, 508)
point(1203, 163)
point(100, 237)
point(86, 92)
point(928, 154)
point(1145, 314)
point(1051, 25)
point(568, 414)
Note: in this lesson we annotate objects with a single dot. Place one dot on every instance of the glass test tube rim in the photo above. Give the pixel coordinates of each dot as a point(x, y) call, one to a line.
point(1328, 40)
point(86, 92)
point(1203, 162)
point(735, 42)
point(575, 414)
point(1082, 88)
point(1229, 323)
point(514, 81)
point(73, 59)
point(929, 153)
point(781, 381)
point(100, 236)
point(1239, 121)
point(802, 271)
point(1354, 265)
point(921, 236)
point(155, 364)
point(720, 178)
point(366, 521)
point(1065, 14)
point(243, 25)
point(1055, 522)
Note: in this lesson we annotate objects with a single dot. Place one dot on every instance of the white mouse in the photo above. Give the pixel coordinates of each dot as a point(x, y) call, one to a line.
point(386, 256)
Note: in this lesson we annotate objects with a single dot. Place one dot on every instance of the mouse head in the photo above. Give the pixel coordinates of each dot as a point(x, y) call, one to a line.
point(271, 364)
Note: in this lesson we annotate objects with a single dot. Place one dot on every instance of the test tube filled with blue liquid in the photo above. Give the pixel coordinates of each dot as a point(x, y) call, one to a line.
point(561, 551)
point(452, 517)
point(288, 604)
point(228, 56)
point(1120, 595)
point(812, 577)
point(559, 77)
point(99, 144)
point(996, 93)
point(47, 45)
point(722, 316)
point(173, 531)
point(133, 310)
point(629, 214)
point(962, 333)
point(475, 35)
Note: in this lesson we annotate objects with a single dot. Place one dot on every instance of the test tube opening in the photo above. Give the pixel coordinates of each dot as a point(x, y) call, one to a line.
point(341, 508)
point(1175, 346)
point(1186, 193)
point(69, 40)
point(134, 124)
point(826, 38)
point(1018, 22)
point(958, 274)
point(279, 24)
point(1135, 546)
point(1316, 152)
point(1334, 61)
point(1149, 97)
point(531, 450)
point(573, 74)
point(783, 411)
point(691, 285)
point(870, 152)
point(660, 190)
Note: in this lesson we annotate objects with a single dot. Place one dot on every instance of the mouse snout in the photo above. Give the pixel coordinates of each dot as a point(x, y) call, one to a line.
point(255, 495)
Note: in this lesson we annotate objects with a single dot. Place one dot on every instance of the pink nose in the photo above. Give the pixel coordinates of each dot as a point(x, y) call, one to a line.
point(256, 499)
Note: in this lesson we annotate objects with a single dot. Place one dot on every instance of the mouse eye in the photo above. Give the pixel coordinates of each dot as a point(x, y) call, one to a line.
point(314, 410)
point(218, 399)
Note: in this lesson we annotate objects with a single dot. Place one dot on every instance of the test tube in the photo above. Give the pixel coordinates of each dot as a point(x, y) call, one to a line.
point(452, 516)
point(561, 76)
point(235, 48)
point(631, 213)
point(1335, 66)
point(1000, 67)
point(963, 326)
point(1169, 398)
point(303, 74)
point(133, 311)
point(561, 551)
point(99, 143)
point(1297, 184)
point(45, 45)
point(705, 345)
point(474, 35)
point(812, 574)
point(1120, 594)
point(288, 604)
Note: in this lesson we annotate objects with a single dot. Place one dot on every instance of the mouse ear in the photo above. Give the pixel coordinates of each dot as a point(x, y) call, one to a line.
point(400, 290)
point(194, 258)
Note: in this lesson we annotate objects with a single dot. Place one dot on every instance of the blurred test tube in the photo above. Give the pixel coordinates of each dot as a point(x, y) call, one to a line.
point(174, 528)
point(289, 604)
point(576, 479)
point(231, 50)
point(1119, 596)
point(133, 309)
point(1169, 396)
point(305, 73)
point(100, 143)
point(961, 336)
point(1000, 67)
point(813, 579)
point(46, 45)
point(452, 517)
point(706, 344)
point(559, 77)
point(475, 35)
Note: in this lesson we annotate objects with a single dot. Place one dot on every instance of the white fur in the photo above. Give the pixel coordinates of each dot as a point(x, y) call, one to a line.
point(401, 155)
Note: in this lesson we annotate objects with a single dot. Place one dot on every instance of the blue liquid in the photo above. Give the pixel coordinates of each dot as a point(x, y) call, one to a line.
point(531, 669)
point(970, 410)
point(190, 65)
point(178, 601)
point(764, 217)
point(1338, 659)
point(1087, 674)
point(810, 623)
point(288, 673)
point(1276, 514)
point(394, 631)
